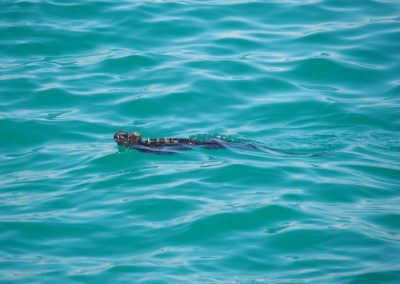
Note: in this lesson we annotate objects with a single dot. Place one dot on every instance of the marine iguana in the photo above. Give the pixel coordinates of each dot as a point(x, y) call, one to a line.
point(162, 145)
point(171, 145)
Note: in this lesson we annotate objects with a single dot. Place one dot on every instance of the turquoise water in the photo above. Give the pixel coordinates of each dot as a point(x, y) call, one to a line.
point(315, 76)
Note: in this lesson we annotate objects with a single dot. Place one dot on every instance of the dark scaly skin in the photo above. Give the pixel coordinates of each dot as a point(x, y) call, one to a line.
point(170, 145)
point(161, 145)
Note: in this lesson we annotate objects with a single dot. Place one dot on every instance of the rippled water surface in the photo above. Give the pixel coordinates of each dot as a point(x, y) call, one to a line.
point(301, 77)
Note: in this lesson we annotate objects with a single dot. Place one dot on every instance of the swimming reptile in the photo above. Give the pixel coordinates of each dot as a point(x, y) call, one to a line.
point(162, 145)
point(170, 145)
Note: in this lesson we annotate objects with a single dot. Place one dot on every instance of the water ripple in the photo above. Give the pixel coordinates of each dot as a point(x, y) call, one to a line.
point(297, 78)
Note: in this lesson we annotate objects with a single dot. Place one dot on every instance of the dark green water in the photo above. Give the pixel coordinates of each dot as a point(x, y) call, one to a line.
point(300, 76)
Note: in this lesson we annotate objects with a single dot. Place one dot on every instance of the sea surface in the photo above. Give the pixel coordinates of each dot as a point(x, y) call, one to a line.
point(316, 83)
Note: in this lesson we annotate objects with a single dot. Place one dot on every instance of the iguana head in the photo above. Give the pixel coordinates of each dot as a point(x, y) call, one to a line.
point(127, 139)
